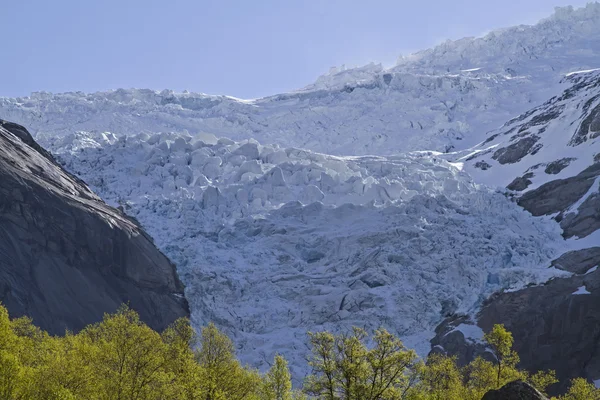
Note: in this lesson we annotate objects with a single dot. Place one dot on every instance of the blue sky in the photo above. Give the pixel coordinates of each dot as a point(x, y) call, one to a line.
point(243, 48)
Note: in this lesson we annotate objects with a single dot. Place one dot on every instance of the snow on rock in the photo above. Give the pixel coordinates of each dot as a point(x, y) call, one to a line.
point(272, 242)
point(554, 140)
point(549, 157)
point(581, 290)
point(593, 269)
point(471, 332)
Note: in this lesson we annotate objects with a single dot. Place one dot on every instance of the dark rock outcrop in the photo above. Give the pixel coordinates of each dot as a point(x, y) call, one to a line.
point(452, 342)
point(521, 183)
point(516, 151)
point(517, 390)
point(555, 326)
point(585, 221)
point(66, 257)
point(578, 261)
point(555, 167)
point(558, 195)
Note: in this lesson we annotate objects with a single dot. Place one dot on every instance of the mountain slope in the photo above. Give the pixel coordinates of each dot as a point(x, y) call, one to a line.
point(548, 158)
point(66, 258)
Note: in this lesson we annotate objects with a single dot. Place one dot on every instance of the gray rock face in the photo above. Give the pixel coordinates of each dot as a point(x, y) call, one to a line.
point(585, 221)
point(558, 195)
point(555, 167)
point(553, 327)
point(579, 261)
point(516, 151)
point(452, 342)
point(517, 390)
point(521, 183)
point(66, 257)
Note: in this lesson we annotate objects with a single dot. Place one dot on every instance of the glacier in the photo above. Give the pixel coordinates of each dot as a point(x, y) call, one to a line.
point(351, 201)
point(274, 242)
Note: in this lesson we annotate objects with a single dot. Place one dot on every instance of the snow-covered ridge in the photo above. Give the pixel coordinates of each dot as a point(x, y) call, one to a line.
point(271, 242)
point(556, 140)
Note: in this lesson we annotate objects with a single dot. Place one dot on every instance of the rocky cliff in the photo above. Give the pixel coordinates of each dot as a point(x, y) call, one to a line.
point(549, 160)
point(66, 258)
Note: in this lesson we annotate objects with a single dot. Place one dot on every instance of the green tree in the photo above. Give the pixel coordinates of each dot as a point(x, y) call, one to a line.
point(391, 368)
point(581, 389)
point(224, 377)
point(541, 380)
point(480, 376)
point(441, 379)
point(501, 341)
point(186, 373)
point(278, 381)
point(344, 368)
point(127, 357)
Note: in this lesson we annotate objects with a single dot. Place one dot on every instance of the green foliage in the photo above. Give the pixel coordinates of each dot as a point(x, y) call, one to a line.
point(581, 389)
point(441, 379)
point(343, 367)
point(121, 358)
point(479, 377)
point(501, 341)
point(277, 383)
point(542, 380)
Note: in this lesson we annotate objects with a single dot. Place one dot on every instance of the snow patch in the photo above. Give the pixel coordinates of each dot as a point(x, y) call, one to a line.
point(593, 269)
point(471, 332)
point(582, 72)
point(581, 290)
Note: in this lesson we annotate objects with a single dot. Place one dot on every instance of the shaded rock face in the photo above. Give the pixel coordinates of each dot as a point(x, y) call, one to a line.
point(452, 342)
point(585, 221)
point(521, 183)
point(66, 258)
point(517, 390)
point(555, 326)
point(557, 195)
point(516, 151)
point(555, 167)
point(578, 262)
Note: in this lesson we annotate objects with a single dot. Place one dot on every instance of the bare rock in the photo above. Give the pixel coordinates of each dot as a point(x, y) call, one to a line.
point(516, 151)
point(66, 258)
point(516, 390)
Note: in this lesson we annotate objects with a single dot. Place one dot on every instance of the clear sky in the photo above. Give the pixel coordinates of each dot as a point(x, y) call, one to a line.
point(242, 48)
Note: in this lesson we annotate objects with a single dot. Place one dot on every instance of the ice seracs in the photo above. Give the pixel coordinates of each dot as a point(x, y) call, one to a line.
point(273, 242)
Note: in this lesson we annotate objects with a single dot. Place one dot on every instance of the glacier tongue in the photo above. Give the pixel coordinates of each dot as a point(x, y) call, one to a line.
point(272, 242)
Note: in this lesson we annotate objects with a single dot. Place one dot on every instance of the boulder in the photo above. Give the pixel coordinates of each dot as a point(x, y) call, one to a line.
point(517, 390)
